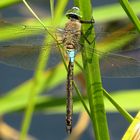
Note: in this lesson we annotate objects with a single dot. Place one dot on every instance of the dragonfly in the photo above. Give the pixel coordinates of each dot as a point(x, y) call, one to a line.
point(23, 51)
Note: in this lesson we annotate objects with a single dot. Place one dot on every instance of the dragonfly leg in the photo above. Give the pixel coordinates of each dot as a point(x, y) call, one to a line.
point(88, 21)
point(85, 35)
point(89, 30)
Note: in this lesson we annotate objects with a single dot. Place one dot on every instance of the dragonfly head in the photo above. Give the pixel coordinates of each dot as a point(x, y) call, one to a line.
point(74, 13)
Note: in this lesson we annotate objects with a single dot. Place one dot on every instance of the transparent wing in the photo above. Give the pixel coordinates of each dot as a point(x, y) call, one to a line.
point(26, 56)
point(116, 65)
point(21, 48)
point(123, 63)
point(20, 45)
point(17, 31)
point(19, 56)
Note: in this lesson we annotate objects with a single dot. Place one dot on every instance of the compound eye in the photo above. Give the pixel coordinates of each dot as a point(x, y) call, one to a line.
point(73, 16)
point(74, 13)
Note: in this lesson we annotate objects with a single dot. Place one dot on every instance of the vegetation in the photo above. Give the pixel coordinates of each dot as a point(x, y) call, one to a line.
point(28, 94)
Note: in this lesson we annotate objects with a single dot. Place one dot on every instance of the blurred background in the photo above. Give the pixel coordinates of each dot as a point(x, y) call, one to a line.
point(52, 127)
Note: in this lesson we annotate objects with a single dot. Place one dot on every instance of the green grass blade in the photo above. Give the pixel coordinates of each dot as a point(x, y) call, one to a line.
point(81, 99)
point(52, 8)
point(54, 105)
point(122, 111)
point(103, 14)
point(6, 3)
point(128, 9)
point(133, 132)
point(34, 91)
point(59, 11)
point(93, 80)
point(34, 14)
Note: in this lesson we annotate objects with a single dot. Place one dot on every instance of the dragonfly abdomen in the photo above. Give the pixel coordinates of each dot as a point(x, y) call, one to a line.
point(69, 100)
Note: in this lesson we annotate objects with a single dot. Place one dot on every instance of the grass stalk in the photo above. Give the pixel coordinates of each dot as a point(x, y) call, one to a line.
point(42, 60)
point(122, 111)
point(93, 78)
point(130, 12)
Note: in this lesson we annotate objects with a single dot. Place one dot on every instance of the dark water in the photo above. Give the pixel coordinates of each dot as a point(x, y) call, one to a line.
point(52, 127)
point(44, 126)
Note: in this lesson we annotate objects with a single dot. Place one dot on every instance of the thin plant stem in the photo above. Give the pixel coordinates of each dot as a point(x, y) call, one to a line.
point(122, 111)
point(43, 58)
point(93, 78)
point(129, 11)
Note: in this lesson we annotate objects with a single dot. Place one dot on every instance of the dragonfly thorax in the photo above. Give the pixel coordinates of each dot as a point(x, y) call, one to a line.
point(71, 36)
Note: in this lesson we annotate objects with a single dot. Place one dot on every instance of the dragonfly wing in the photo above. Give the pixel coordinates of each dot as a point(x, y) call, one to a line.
point(115, 65)
point(20, 45)
point(24, 52)
point(13, 31)
point(19, 56)
point(26, 57)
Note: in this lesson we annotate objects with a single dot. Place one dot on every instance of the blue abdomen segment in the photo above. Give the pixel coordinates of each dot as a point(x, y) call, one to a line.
point(71, 55)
